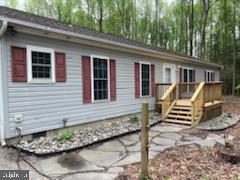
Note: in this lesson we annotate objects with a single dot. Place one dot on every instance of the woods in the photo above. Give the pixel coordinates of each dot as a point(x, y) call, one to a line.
point(208, 29)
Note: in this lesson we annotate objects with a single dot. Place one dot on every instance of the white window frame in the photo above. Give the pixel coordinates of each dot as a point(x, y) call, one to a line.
point(188, 68)
point(173, 72)
point(92, 78)
point(29, 65)
point(209, 71)
point(140, 71)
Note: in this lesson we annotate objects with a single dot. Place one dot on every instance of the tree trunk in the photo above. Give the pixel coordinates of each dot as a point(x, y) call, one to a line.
point(205, 10)
point(191, 24)
point(234, 48)
point(100, 21)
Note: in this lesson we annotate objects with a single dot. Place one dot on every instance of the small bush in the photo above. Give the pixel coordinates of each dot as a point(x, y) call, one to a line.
point(133, 119)
point(238, 87)
point(230, 115)
point(65, 135)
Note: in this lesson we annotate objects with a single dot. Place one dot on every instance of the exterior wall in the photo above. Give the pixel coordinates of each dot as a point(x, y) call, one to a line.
point(44, 106)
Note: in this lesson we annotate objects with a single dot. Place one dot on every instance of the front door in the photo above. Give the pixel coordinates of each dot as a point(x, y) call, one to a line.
point(188, 77)
point(169, 73)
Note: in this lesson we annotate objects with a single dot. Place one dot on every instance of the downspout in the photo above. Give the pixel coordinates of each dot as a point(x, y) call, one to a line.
point(2, 130)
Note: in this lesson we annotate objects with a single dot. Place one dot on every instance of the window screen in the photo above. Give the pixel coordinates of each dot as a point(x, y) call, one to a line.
point(41, 65)
point(145, 80)
point(100, 70)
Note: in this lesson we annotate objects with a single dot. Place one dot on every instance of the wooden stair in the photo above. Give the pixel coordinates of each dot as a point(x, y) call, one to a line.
point(180, 112)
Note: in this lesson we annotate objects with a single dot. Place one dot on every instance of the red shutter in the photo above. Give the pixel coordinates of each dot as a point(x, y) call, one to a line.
point(112, 80)
point(194, 75)
point(86, 79)
point(153, 80)
point(137, 80)
point(180, 74)
point(60, 67)
point(19, 65)
point(205, 76)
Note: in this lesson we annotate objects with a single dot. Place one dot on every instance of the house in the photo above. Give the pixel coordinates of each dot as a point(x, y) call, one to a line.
point(52, 71)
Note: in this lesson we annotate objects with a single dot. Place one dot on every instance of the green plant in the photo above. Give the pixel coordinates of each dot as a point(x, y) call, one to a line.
point(238, 87)
point(235, 177)
point(65, 135)
point(229, 115)
point(144, 176)
point(133, 119)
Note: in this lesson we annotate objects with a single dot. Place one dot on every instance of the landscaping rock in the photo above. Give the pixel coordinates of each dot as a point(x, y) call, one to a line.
point(88, 135)
point(219, 123)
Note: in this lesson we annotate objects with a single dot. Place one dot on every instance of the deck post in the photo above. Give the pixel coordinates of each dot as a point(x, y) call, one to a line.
point(144, 139)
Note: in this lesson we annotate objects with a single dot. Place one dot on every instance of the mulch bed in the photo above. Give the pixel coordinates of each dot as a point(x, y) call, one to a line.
point(186, 162)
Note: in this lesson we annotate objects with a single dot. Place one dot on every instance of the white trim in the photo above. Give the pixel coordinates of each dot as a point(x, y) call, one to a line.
point(68, 33)
point(92, 78)
point(2, 117)
point(29, 64)
point(210, 71)
point(187, 68)
point(140, 77)
point(173, 72)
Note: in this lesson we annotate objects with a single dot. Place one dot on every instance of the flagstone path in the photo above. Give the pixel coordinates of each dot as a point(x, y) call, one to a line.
point(106, 160)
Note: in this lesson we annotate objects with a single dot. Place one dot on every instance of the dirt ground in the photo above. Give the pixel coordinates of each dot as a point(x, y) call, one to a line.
point(193, 162)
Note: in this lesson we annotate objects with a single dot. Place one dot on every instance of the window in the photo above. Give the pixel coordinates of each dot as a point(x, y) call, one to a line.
point(41, 65)
point(100, 71)
point(145, 79)
point(188, 75)
point(210, 76)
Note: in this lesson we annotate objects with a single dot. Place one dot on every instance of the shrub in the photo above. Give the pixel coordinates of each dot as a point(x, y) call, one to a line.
point(65, 135)
point(133, 119)
point(238, 87)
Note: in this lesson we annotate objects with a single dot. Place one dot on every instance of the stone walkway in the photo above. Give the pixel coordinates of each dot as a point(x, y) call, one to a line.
point(106, 160)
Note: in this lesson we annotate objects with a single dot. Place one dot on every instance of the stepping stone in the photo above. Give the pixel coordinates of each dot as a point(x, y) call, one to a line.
point(164, 141)
point(156, 148)
point(67, 163)
point(100, 158)
point(134, 148)
point(205, 143)
point(187, 137)
point(133, 137)
point(127, 142)
point(183, 143)
point(112, 146)
point(166, 128)
point(92, 176)
point(213, 136)
point(115, 170)
point(133, 158)
point(153, 133)
point(174, 136)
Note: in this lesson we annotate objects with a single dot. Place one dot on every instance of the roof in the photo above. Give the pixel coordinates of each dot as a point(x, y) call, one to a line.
point(48, 22)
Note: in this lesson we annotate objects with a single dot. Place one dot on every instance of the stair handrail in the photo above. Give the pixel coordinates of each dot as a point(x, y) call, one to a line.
point(168, 99)
point(197, 103)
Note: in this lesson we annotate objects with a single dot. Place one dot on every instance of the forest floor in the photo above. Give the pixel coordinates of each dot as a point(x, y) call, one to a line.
point(194, 161)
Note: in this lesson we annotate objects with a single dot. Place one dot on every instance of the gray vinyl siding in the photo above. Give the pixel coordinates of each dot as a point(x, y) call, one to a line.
point(43, 106)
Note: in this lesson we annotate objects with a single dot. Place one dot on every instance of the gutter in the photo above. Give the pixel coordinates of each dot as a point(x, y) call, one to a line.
point(109, 42)
point(3, 29)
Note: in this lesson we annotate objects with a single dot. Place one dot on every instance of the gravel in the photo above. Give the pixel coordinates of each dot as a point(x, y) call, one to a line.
point(86, 135)
point(219, 123)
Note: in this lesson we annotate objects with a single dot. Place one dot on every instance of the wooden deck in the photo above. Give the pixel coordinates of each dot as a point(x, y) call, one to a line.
point(189, 103)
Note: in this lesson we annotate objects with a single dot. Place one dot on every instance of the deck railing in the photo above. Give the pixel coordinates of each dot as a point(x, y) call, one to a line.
point(202, 93)
point(212, 91)
point(161, 89)
point(186, 89)
point(168, 99)
point(197, 103)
